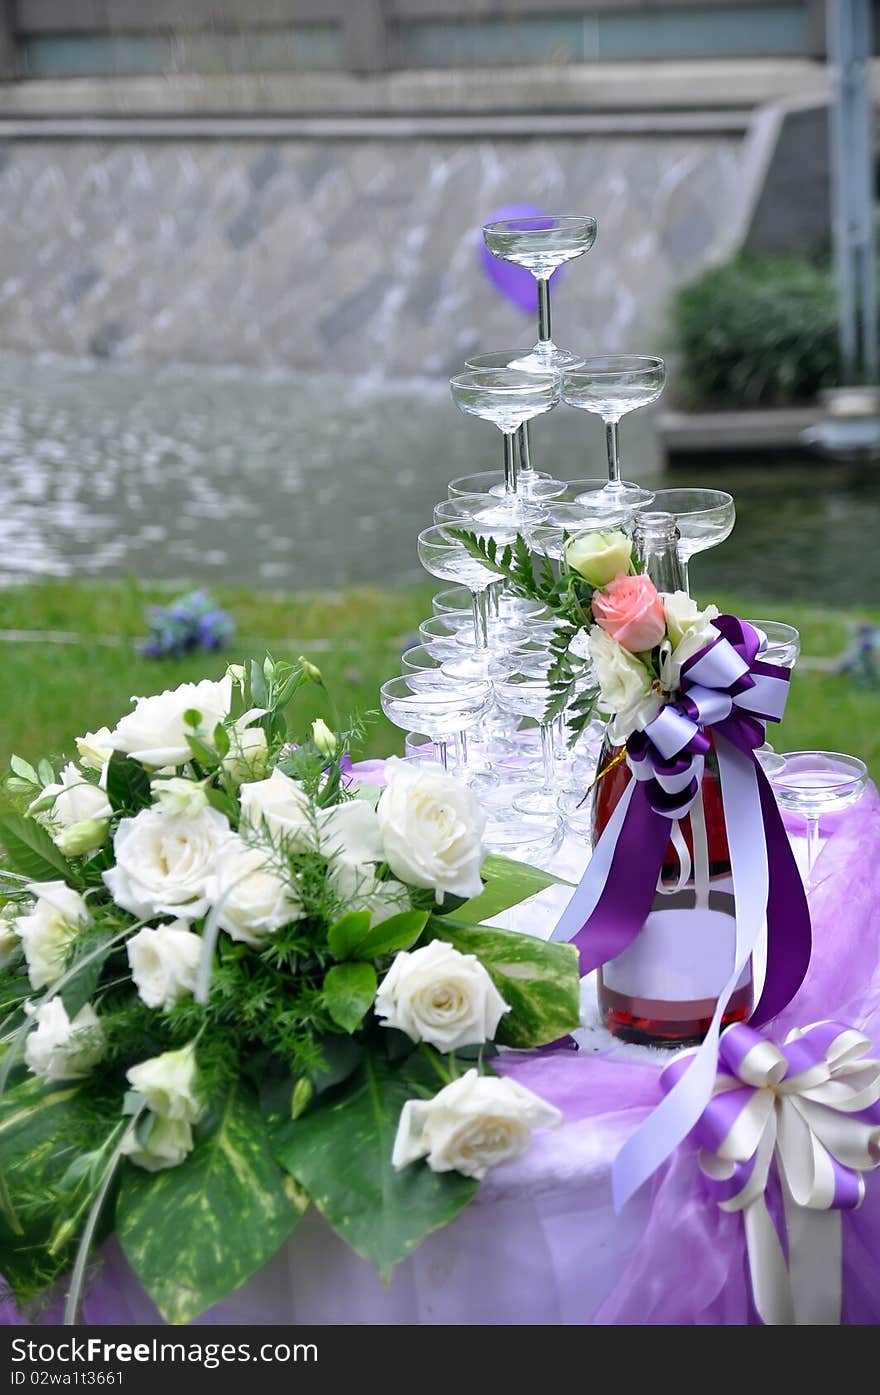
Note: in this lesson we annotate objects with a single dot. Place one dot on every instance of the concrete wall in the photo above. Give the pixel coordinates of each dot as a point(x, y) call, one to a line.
point(353, 254)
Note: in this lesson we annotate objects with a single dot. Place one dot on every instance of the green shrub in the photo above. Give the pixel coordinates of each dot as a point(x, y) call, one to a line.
point(758, 331)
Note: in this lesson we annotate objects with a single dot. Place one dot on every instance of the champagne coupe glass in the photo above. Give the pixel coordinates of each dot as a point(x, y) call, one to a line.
point(527, 694)
point(576, 810)
point(484, 510)
point(782, 642)
point(781, 646)
point(530, 482)
point(523, 838)
point(438, 636)
point(577, 489)
point(455, 601)
point(705, 517)
point(446, 557)
point(542, 245)
point(440, 712)
point(813, 783)
point(423, 666)
point(417, 745)
point(430, 667)
point(508, 398)
point(609, 387)
point(494, 482)
point(567, 521)
point(481, 512)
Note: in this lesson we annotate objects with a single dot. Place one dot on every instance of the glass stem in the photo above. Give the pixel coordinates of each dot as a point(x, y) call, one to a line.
point(481, 619)
point(461, 749)
point(684, 574)
point(611, 447)
point(511, 467)
point(522, 441)
point(544, 309)
point(440, 752)
point(559, 747)
point(493, 594)
point(547, 756)
point(812, 821)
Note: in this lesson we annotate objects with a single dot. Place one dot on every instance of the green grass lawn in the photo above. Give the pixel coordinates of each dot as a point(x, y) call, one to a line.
point(52, 692)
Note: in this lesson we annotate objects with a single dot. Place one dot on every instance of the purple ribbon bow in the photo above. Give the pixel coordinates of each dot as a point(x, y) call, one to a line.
point(810, 1109)
point(726, 689)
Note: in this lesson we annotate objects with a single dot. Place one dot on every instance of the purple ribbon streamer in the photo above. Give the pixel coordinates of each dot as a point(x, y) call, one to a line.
point(620, 883)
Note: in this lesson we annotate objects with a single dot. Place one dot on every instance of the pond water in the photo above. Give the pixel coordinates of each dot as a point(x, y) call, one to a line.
point(289, 482)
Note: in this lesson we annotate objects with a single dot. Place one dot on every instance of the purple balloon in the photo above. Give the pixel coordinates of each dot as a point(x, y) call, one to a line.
point(514, 282)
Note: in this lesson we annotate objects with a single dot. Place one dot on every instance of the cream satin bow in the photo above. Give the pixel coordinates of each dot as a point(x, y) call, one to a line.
point(811, 1107)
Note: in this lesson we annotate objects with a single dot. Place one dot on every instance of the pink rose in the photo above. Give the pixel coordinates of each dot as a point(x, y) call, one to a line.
point(631, 612)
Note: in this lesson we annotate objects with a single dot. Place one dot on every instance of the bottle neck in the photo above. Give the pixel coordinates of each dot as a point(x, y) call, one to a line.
point(656, 545)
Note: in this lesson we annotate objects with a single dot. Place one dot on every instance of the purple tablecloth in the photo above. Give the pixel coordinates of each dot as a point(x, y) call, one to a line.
point(541, 1242)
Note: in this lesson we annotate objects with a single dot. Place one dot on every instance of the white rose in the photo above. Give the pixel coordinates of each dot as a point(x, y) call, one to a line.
point(155, 732)
point(471, 1125)
point(47, 931)
point(438, 995)
point(359, 889)
point(683, 615)
point(179, 796)
point(671, 660)
point(61, 1049)
point(76, 799)
point(167, 1144)
point(248, 754)
point(350, 832)
point(168, 1084)
point(625, 686)
point(431, 829)
point(164, 862)
point(283, 806)
point(164, 962)
point(251, 900)
point(95, 748)
point(82, 837)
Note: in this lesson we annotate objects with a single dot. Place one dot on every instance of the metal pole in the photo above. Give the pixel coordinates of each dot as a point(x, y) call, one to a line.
point(864, 199)
point(852, 199)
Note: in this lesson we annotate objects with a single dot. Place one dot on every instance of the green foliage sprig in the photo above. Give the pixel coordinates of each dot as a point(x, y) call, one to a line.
point(568, 597)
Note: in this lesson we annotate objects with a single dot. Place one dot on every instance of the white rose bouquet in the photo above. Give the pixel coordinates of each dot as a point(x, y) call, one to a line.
point(226, 970)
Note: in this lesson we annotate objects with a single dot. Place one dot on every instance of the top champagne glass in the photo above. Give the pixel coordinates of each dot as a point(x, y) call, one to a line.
point(541, 245)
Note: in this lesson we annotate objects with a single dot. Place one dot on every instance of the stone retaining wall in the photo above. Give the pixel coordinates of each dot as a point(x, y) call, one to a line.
point(359, 255)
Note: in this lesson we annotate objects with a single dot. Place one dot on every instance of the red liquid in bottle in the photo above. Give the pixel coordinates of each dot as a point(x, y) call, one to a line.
point(638, 1013)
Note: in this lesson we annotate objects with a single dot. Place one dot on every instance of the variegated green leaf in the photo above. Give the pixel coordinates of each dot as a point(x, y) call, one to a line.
point(42, 1129)
point(538, 978)
point(506, 884)
point(195, 1232)
point(340, 1152)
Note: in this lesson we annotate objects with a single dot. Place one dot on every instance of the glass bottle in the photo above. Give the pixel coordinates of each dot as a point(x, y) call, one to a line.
point(663, 989)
